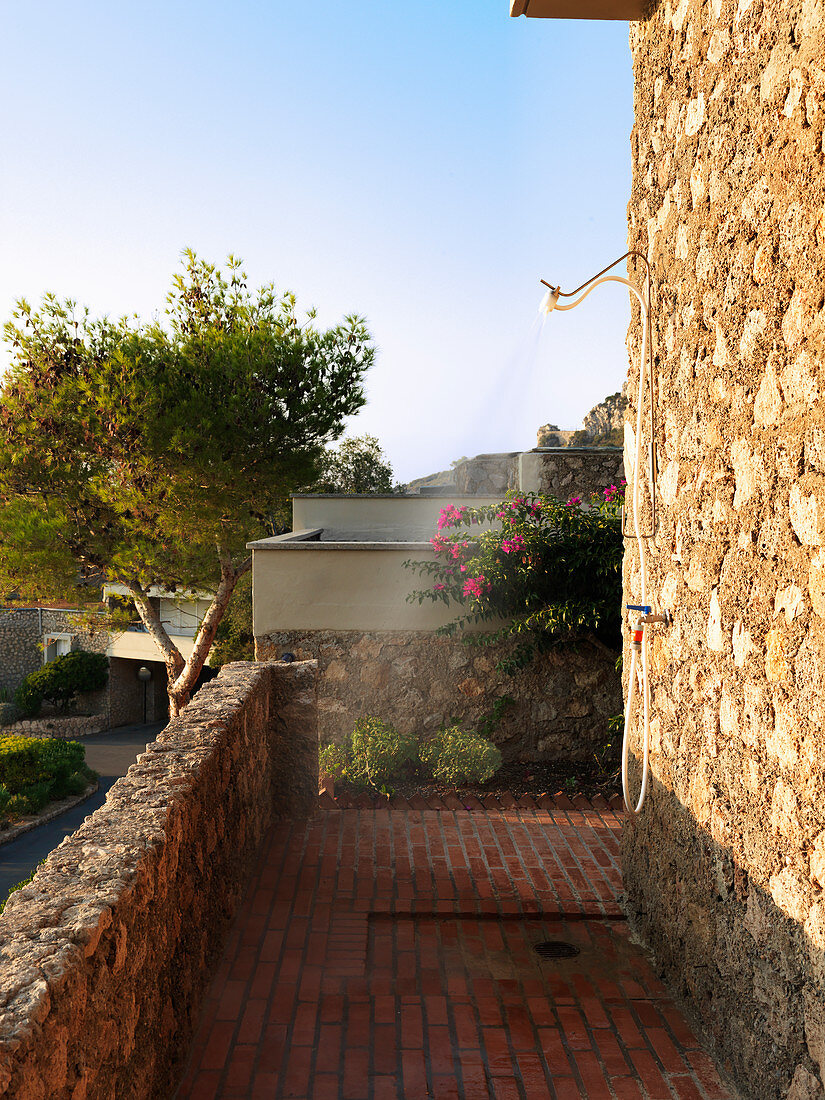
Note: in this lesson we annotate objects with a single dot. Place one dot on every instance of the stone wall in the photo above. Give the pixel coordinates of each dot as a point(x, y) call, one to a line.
point(487, 475)
point(127, 694)
point(106, 954)
point(561, 472)
point(725, 868)
point(20, 651)
point(67, 728)
point(580, 471)
point(21, 637)
point(418, 680)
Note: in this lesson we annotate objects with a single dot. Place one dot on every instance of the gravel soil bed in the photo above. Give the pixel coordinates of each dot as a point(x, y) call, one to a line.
point(518, 780)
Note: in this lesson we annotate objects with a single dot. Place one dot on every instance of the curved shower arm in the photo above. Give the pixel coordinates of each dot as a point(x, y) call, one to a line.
point(633, 252)
point(647, 346)
point(591, 286)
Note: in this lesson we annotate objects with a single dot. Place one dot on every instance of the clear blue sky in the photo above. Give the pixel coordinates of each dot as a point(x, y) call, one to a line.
point(420, 163)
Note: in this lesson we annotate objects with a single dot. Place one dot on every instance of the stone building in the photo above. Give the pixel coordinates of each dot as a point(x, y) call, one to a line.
point(725, 866)
point(34, 634)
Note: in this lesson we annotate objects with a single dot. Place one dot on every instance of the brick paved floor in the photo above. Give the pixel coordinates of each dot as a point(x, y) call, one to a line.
point(391, 953)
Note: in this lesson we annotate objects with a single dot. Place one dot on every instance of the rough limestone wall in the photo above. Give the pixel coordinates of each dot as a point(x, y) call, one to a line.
point(419, 681)
point(725, 868)
point(106, 954)
point(64, 729)
point(487, 475)
point(21, 639)
point(580, 471)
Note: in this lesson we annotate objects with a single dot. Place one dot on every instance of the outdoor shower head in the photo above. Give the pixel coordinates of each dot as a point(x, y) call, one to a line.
point(548, 302)
point(644, 610)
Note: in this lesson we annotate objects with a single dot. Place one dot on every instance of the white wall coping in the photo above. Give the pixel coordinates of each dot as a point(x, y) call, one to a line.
point(349, 544)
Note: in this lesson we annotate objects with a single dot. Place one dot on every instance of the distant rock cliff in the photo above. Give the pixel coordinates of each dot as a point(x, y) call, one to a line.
point(603, 427)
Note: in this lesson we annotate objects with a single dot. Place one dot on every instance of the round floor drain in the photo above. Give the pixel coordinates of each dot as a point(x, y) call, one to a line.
point(556, 949)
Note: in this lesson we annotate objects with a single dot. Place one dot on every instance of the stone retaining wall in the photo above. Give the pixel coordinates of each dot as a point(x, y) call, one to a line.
point(66, 729)
point(725, 867)
point(487, 475)
point(580, 471)
point(106, 954)
point(561, 472)
point(418, 681)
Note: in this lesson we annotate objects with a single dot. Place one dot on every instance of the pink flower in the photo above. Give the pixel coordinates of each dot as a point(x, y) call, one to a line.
point(439, 587)
point(450, 516)
point(510, 546)
point(476, 586)
point(574, 500)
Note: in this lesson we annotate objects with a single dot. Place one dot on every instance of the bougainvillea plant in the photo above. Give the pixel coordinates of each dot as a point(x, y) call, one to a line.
point(551, 570)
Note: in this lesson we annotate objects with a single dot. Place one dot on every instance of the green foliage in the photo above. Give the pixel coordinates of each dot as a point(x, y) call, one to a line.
point(614, 437)
point(374, 755)
point(336, 760)
point(31, 799)
point(381, 751)
point(490, 722)
point(151, 453)
point(9, 714)
point(28, 699)
point(357, 465)
point(458, 756)
point(61, 680)
point(550, 570)
point(235, 640)
point(35, 771)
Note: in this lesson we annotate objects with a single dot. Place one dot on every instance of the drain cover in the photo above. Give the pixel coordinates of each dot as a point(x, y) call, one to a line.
point(556, 949)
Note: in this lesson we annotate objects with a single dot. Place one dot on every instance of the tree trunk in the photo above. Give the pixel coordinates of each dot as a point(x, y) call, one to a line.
point(182, 675)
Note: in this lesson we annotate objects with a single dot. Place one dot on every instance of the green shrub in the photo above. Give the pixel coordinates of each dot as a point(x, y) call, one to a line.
point(77, 783)
point(334, 760)
point(8, 714)
point(27, 760)
point(61, 680)
point(380, 752)
point(373, 755)
point(551, 570)
point(460, 756)
point(35, 771)
point(32, 799)
point(28, 699)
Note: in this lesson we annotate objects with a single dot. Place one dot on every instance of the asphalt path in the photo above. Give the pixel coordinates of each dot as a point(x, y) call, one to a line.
point(109, 754)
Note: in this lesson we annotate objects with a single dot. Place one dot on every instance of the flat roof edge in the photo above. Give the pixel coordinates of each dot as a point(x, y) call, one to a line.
point(268, 544)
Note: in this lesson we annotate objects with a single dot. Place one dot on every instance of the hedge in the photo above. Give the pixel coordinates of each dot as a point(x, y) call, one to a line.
point(35, 771)
point(61, 680)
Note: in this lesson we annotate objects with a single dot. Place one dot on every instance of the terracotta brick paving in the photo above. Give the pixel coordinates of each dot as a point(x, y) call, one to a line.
point(390, 953)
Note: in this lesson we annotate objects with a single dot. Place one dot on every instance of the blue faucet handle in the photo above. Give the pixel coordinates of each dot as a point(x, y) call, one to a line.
point(644, 608)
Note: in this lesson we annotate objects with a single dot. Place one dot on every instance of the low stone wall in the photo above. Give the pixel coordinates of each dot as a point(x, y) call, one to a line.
point(418, 680)
point(66, 729)
point(487, 475)
point(580, 471)
point(106, 954)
